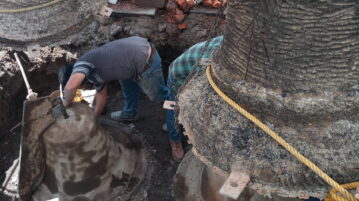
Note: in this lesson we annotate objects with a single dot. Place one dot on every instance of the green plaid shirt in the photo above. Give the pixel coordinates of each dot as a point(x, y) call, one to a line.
point(182, 66)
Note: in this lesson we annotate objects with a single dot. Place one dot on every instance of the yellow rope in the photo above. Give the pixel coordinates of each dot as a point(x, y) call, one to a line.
point(333, 196)
point(19, 10)
point(282, 142)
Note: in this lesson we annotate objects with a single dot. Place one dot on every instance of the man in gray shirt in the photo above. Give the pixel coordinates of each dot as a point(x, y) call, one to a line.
point(133, 61)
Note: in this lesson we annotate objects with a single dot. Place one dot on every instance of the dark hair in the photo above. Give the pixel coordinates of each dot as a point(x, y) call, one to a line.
point(65, 73)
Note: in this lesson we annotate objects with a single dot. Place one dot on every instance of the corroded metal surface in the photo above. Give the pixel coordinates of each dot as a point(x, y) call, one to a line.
point(195, 181)
point(46, 25)
point(87, 161)
point(273, 65)
point(37, 118)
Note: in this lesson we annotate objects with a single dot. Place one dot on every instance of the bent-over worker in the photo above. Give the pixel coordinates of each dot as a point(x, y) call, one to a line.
point(133, 61)
point(178, 72)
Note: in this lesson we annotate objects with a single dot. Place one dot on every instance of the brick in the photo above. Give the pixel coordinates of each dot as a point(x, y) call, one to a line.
point(217, 4)
point(171, 29)
point(170, 19)
point(208, 3)
point(182, 26)
point(190, 3)
point(179, 18)
point(185, 5)
point(182, 3)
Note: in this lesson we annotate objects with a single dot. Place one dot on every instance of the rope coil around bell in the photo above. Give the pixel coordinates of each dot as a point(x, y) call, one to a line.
point(337, 187)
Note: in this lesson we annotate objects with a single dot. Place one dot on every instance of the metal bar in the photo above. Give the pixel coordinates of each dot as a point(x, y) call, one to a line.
point(23, 73)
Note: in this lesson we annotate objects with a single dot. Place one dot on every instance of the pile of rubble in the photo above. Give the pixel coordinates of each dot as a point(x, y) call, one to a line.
point(178, 9)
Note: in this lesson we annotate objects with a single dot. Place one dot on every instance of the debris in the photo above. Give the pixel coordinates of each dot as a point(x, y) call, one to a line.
point(171, 29)
point(215, 3)
point(171, 6)
point(33, 50)
point(185, 5)
point(208, 3)
point(179, 18)
point(182, 26)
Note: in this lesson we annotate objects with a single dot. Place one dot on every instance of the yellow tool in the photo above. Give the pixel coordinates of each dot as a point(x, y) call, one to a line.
point(78, 97)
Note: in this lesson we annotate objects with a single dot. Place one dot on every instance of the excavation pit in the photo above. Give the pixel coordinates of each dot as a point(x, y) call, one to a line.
point(42, 75)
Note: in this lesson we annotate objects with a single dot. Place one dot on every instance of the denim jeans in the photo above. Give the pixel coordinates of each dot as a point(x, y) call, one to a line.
point(151, 83)
point(171, 127)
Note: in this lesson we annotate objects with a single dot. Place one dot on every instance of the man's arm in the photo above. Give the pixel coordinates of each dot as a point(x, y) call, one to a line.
point(101, 98)
point(72, 85)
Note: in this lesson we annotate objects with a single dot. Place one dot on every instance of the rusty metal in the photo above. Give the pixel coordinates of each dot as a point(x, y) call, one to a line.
point(37, 117)
point(195, 181)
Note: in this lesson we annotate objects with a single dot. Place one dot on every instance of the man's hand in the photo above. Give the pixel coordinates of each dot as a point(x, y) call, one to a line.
point(72, 85)
point(101, 98)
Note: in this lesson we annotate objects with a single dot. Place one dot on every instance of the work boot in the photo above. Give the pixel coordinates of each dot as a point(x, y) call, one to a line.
point(177, 150)
point(122, 116)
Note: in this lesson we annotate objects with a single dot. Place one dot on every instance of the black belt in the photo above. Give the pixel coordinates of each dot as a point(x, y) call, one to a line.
point(151, 59)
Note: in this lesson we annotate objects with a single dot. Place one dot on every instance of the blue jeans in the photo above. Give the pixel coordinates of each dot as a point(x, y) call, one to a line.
point(151, 83)
point(171, 124)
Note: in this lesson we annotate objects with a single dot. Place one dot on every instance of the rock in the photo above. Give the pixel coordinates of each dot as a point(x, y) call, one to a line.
point(116, 28)
point(171, 6)
point(171, 29)
point(162, 27)
point(201, 33)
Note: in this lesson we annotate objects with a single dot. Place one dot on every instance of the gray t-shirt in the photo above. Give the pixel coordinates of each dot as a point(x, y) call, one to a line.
point(117, 60)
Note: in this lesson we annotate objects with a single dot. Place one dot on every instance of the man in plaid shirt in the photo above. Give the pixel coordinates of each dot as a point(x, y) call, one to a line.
point(178, 72)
